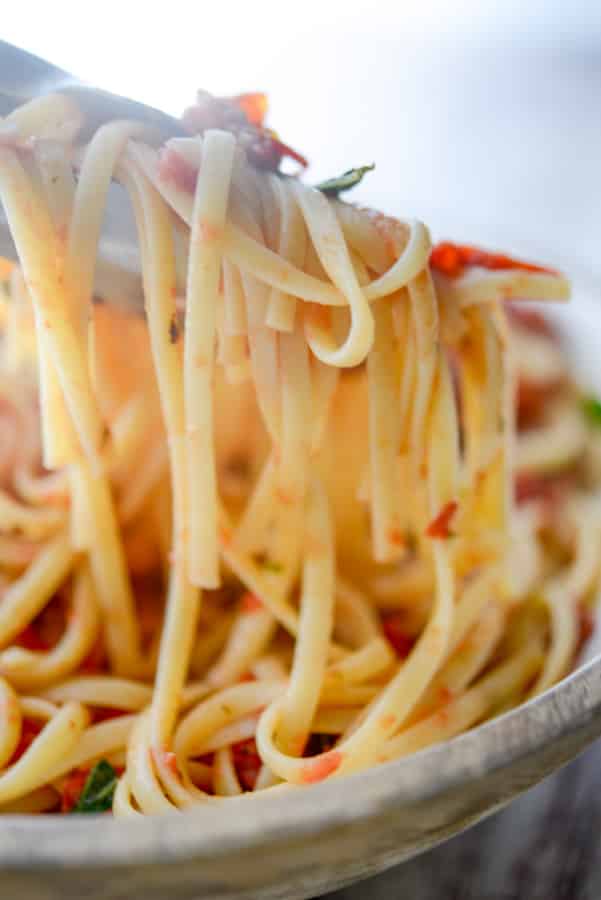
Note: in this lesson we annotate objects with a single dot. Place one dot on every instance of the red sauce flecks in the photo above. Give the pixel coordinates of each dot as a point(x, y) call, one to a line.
point(453, 259)
point(533, 398)
point(440, 527)
point(30, 639)
point(396, 635)
point(247, 762)
point(250, 602)
point(321, 767)
point(29, 731)
point(551, 489)
point(96, 661)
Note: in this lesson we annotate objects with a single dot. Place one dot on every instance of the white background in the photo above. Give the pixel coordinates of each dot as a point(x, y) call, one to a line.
point(483, 118)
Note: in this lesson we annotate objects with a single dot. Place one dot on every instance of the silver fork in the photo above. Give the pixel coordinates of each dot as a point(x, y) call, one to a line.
point(24, 76)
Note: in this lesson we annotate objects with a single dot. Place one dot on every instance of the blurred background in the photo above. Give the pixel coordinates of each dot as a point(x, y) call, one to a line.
point(482, 116)
point(483, 119)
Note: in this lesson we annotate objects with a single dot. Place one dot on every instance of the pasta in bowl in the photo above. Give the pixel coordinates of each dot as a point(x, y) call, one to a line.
point(327, 500)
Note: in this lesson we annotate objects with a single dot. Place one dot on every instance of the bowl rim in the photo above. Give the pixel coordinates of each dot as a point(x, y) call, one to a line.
point(212, 831)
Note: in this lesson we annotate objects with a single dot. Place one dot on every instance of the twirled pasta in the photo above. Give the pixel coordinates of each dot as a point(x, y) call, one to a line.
point(277, 503)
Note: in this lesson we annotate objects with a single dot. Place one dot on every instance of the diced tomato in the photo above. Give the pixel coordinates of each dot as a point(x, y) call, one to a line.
point(439, 527)
point(72, 787)
point(531, 320)
point(401, 642)
point(96, 659)
point(47, 628)
point(243, 116)
point(548, 488)
point(446, 258)
point(250, 602)
point(533, 398)
point(29, 731)
point(247, 762)
point(254, 107)
point(453, 259)
point(30, 639)
point(177, 170)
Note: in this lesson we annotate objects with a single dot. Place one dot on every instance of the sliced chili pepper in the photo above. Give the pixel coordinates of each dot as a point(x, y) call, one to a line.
point(453, 259)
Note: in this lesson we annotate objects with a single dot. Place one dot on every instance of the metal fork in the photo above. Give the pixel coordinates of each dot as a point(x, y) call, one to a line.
point(24, 76)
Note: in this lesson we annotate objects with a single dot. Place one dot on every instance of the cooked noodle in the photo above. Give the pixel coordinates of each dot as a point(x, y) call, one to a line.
point(265, 533)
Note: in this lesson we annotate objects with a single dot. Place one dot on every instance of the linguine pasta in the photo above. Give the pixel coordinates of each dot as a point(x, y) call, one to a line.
point(327, 500)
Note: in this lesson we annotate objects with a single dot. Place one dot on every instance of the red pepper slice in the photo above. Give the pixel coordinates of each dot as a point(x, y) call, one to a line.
point(453, 259)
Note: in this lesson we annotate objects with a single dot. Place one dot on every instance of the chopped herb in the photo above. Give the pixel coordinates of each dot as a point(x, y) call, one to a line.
point(98, 791)
point(334, 186)
point(591, 407)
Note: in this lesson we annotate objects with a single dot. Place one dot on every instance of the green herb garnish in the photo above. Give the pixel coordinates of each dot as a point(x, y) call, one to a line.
point(334, 186)
point(591, 407)
point(98, 791)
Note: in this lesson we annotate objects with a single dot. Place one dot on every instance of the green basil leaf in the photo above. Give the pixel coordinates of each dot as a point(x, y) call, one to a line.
point(334, 186)
point(591, 407)
point(98, 791)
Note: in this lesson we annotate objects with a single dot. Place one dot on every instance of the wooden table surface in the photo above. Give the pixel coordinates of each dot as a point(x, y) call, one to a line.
point(545, 846)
